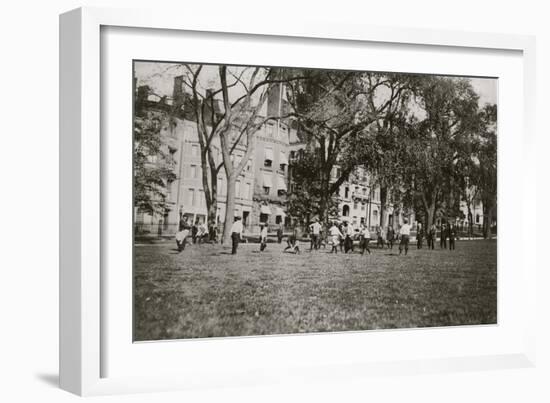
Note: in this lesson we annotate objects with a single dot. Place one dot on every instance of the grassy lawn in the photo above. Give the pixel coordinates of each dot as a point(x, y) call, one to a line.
point(205, 291)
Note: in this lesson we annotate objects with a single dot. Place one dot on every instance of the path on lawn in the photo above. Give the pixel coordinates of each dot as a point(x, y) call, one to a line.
point(205, 291)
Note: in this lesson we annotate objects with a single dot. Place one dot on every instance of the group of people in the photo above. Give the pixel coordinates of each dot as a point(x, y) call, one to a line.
point(340, 236)
point(446, 232)
point(199, 232)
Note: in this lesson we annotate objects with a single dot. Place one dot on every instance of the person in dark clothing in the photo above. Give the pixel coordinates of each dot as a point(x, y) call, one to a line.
point(280, 233)
point(419, 236)
point(195, 231)
point(348, 240)
point(213, 231)
point(390, 237)
point(452, 237)
point(430, 237)
point(183, 231)
point(443, 237)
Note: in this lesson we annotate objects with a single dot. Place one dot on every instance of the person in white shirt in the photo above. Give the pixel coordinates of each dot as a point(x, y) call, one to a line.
point(404, 233)
point(202, 235)
point(315, 230)
point(365, 239)
point(335, 235)
point(263, 237)
point(236, 233)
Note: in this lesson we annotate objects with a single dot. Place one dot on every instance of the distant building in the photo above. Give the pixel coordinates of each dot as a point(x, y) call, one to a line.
point(261, 188)
point(359, 202)
point(271, 161)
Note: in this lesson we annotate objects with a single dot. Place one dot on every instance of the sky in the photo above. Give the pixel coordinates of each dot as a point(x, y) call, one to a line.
point(160, 77)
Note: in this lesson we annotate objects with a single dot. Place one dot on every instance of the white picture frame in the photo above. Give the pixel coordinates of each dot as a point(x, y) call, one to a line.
point(82, 253)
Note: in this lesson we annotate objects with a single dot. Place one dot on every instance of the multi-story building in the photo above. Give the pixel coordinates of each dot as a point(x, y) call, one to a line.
point(359, 202)
point(271, 159)
point(260, 189)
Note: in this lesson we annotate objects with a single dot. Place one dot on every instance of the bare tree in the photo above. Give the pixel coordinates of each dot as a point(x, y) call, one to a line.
point(243, 93)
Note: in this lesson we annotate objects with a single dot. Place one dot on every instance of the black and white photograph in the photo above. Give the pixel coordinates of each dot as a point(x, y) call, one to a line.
point(274, 200)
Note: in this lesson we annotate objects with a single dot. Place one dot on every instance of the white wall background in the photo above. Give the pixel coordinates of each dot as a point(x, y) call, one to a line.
point(29, 198)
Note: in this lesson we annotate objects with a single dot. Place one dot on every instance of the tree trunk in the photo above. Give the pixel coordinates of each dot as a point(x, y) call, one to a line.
point(212, 211)
point(485, 219)
point(323, 202)
point(430, 215)
point(487, 223)
point(229, 209)
point(383, 200)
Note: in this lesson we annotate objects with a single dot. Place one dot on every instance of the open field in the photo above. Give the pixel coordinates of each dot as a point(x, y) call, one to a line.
point(204, 291)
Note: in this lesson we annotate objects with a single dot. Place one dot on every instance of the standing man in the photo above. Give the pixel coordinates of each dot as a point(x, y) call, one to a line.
point(443, 237)
point(236, 234)
point(364, 239)
point(429, 238)
point(335, 235)
point(315, 230)
point(350, 232)
point(181, 236)
point(404, 233)
point(390, 237)
point(280, 233)
point(419, 236)
point(452, 236)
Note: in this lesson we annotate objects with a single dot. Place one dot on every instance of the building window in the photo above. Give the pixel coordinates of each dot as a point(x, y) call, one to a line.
point(238, 189)
point(268, 157)
point(193, 171)
point(355, 205)
point(195, 150)
point(247, 194)
point(266, 190)
point(264, 218)
point(345, 210)
point(477, 218)
point(202, 200)
point(281, 192)
point(375, 216)
point(191, 197)
point(346, 192)
point(363, 206)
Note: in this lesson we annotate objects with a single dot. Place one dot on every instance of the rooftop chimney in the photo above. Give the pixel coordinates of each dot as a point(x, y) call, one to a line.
point(177, 93)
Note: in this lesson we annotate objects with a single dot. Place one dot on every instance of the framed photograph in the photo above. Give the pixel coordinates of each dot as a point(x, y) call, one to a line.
point(243, 204)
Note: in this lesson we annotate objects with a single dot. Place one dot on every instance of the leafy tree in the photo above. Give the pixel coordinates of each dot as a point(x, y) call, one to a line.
point(487, 179)
point(153, 165)
point(305, 199)
point(436, 141)
point(333, 110)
